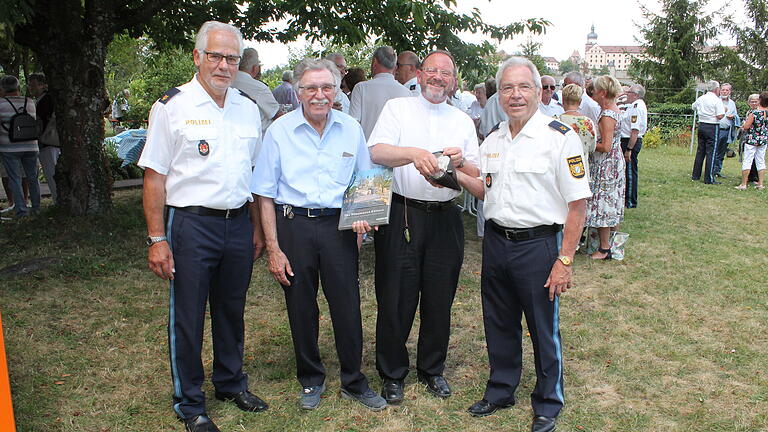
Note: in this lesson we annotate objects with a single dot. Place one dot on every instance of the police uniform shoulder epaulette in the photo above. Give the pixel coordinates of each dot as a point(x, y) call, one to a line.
point(634, 105)
point(168, 95)
point(248, 96)
point(494, 128)
point(412, 87)
point(560, 127)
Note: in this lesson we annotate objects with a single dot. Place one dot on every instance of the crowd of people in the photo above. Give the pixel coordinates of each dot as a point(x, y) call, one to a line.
point(234, 170)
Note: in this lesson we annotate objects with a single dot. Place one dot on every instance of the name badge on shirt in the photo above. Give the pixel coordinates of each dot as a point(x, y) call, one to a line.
point(203, 148)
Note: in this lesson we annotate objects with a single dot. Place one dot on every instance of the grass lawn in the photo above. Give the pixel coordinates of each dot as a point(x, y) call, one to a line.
point(673, 338)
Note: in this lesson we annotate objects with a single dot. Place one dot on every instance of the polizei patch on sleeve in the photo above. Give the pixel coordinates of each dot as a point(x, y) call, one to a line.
point(576, 166)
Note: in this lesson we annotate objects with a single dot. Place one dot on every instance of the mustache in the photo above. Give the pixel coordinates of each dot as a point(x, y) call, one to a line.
point(436, 83)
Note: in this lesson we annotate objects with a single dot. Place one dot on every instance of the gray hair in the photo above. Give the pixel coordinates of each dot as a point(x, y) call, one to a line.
point(287, 75)
point(754, 96)
point(480, 86)
point(9, 83)
point(333, 56)
point(386, 56)
point(712, 85)
point(550, 77)
point(309, 64)
point(638, 89)
point(410, 57)
point(575, 77)
point(249, 60)
point(516, 62)
point(201, 39)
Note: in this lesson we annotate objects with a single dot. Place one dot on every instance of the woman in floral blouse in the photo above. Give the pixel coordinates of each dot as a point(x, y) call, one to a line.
point(755, 139)
point(580, 123)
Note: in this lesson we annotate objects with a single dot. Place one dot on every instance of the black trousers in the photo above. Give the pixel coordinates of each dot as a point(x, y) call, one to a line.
point(705, 151)
point(630, 197)
point(315, 247)
point(423, 272)
point(213, 257)
point(512, 284)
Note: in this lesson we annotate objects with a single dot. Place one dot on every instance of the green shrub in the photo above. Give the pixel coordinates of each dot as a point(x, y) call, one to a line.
point(652, 138)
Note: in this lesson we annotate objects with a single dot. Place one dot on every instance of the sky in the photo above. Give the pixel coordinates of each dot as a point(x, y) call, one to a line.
point(614, 20)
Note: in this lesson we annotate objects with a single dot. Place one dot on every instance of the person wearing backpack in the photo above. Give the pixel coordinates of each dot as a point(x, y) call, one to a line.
point(18, 143)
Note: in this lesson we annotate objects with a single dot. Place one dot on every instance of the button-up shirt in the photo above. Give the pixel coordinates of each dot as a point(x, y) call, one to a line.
point(530, 178)
point(551, 109)
point(300, 167)
point(286, 95)
point(590, 108)
point(730, 110)
point(708, 106)
point(368, 99)
point(413, 86)
point(634, 117)
point(416, 122)
point(205, 151)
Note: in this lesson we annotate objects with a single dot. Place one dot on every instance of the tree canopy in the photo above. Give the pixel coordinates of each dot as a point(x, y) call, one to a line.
point(83, 29)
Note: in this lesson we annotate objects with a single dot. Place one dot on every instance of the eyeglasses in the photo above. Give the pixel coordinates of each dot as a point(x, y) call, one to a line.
point(404, 64)
point(548, 87)
point(215, 57)
point(522, 88)
point(434, 71)
point(326, 88)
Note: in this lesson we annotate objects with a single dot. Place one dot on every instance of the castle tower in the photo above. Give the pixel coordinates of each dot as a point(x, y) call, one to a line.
point(591, 40)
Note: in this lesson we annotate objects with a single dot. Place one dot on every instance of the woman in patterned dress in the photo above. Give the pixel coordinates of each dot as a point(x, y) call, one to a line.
point(605, 209)
point(580, 123)
point(755, 139)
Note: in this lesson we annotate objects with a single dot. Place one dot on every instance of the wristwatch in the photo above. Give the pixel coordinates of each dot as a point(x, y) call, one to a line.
point(152, 240)
point(565, 260)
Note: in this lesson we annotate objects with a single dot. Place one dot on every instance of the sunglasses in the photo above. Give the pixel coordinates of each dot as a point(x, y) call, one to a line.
point(548, 87)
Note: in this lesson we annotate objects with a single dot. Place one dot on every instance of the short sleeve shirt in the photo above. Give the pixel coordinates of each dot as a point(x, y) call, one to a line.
point(416, 122)
point(300, 167)
point(635, 117)
point(530, 178)
point(205, 151)
point(709, 106)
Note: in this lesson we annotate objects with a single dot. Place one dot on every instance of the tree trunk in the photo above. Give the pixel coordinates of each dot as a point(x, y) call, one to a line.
point(74, 68)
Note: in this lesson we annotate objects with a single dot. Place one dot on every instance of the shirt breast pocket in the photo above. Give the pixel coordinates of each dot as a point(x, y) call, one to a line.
point(200, 148)
point(248, 142)
point(530, 178)
point(342, 169)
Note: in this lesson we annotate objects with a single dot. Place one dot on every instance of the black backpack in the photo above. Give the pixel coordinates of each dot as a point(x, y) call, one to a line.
point(22, 126)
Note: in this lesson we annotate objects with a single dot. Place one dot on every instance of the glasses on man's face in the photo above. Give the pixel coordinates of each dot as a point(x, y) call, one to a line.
point(215, 57)
point(522, 88)
point(404, 64)
point(325, 88)
point(548, 87)
point(434, 71)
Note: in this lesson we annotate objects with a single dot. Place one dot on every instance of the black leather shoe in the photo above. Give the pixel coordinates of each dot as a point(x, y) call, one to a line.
point(436, 384)
point(392, 391)
point(200, 423)
point(543, 424)
point(244, 400)
point(484, 408)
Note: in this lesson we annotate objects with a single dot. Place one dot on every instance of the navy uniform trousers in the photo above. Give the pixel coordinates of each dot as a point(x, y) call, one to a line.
point(706, 150)
point(423, 272)
point(722, 149)
point(315, 246)
point(213, 258)
point(630, 197)
point(512, 284)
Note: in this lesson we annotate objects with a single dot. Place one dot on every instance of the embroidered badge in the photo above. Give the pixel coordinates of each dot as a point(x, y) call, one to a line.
point(488, 180)
point(203, 148)
point(634, 119)
point(576, 166)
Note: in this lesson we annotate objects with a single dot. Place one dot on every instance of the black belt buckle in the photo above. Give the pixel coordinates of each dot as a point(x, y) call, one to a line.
point(518, 235)
point(228, 214)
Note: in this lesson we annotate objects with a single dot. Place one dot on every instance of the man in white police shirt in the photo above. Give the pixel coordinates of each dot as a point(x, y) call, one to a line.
point(634, 124)
point(201, 146)
point(533, 182)
point(419, 254)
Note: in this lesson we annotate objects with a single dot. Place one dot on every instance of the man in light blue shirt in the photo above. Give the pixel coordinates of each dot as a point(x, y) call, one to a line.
point(307, 160)
point(724, 127)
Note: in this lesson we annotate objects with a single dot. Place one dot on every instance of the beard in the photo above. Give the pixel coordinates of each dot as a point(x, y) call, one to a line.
point(439, 94)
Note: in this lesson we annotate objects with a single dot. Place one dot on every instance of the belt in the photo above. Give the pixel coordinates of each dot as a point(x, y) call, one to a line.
point(290, 211)
point(205, 211)
point(522, 234)
point(427, 206)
